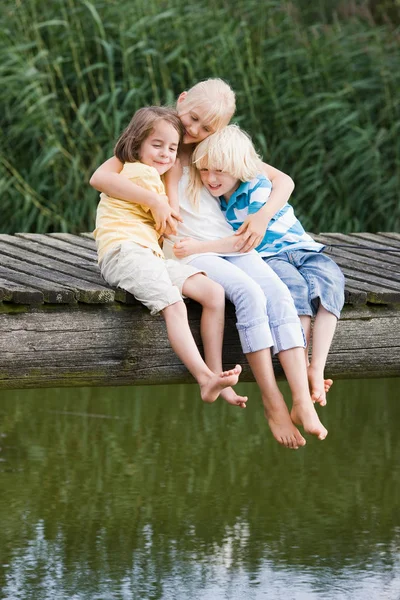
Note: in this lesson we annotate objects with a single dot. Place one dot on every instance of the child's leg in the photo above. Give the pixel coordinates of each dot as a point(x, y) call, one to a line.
point(299, 288)
point(137, 270)
point(280, 308)
point(326, 284)
point(212, 298)
point(256, 340)
point(303, 411)
point(305, 321)
point(288, 340)
point(275, 409)
point(323, 332)
point(184, 346)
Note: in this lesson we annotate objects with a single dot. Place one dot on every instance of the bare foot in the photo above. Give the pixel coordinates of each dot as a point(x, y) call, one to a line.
point(318, 385)
point(231, 397)
point(213, 386)
point(303, 413)
point(282, 427)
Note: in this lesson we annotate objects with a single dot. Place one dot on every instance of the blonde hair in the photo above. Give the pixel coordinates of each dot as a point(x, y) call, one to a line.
point(216, 96)
point(229, 150)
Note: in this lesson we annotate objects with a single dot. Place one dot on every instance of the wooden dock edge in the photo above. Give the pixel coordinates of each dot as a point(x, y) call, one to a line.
point(118, 344)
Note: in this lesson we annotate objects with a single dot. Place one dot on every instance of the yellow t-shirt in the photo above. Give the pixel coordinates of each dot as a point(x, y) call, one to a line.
point(118, 221)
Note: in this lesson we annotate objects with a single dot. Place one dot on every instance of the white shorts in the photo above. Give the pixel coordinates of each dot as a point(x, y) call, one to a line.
point(154, 281)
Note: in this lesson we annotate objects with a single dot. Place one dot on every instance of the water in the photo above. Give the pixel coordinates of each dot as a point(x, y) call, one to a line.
point(146, 493)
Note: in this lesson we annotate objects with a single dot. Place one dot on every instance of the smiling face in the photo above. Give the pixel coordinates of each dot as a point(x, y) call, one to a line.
point(195, 118)
point(197, 127)
point(219, 183)
point(159, 149)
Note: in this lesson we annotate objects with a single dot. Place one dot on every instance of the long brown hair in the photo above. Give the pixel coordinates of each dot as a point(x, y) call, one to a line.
point(127, 148)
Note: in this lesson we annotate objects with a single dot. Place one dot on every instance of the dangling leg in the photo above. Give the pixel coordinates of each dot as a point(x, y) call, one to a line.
point(212, 298)
point(184, 346)
point(256, 340)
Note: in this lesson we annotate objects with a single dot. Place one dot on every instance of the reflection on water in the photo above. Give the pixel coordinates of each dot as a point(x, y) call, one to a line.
point(146, 493)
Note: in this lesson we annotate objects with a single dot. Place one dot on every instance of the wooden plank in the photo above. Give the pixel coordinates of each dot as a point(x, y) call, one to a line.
point(352, 295)
point(19, 294)
point(60, 245)
point(357, 246)
point(391, 235)
point(84, 291)
point(48, 251)
point(378, 240)
point(13, 246)
point(75, 240)
point(107, 345)
point(388, 279)
point(61, 267)
point(52, 292)
point(370, 311)
point(376, 294)
point(363, 259)
point(371, 243)
point(375, 280)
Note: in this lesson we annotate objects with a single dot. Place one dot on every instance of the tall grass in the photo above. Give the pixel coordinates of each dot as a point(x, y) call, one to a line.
point(319, 98)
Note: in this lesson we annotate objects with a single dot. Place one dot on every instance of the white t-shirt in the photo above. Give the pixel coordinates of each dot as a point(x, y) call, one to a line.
point(206, 222)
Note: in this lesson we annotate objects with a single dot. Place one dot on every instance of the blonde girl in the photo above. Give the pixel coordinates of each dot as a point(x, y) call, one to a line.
point(262, 324)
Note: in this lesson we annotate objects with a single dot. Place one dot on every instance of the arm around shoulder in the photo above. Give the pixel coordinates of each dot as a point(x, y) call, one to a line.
point(100, 180)
point(107, 179)
point(282, 188)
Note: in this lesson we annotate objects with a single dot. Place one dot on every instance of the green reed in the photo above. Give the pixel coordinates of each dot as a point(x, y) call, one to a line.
point(319, 99)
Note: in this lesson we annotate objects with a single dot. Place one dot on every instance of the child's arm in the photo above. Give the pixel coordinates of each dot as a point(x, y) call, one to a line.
point(171, 180)
point(107, 179)
point(188, 246)
point(255, 225)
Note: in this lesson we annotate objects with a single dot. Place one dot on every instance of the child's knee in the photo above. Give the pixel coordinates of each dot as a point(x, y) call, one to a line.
point(214, 296)
point(174, 311)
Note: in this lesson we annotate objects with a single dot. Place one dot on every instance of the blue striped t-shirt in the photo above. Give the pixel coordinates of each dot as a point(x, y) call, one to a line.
point(284, 231)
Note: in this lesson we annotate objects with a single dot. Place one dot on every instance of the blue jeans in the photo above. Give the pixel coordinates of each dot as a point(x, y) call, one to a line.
point(265, 312)
point(312, 278)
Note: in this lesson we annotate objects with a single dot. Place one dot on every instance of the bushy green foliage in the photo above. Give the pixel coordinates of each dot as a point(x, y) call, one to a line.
point(318, 98)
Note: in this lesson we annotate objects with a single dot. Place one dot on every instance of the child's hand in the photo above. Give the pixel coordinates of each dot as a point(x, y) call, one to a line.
point(164, 216)
point(171, 229)
point(239, 243)
point(185, 247)
point(252, 231)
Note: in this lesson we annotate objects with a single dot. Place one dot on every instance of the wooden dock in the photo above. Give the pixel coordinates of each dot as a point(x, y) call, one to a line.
point(61, 325)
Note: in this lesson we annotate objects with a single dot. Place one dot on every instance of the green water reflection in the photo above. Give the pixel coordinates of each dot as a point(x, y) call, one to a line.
point(145, 493)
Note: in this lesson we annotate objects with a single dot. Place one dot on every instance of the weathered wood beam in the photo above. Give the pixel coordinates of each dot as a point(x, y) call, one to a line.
point(118, 344)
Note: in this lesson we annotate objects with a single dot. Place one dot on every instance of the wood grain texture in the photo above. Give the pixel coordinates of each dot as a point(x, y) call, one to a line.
point(61, 325)
point(123, 345)
point(370, 263)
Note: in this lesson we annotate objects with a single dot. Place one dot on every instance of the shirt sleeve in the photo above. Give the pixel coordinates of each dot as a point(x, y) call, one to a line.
point(259, 194)
point(144, 178)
